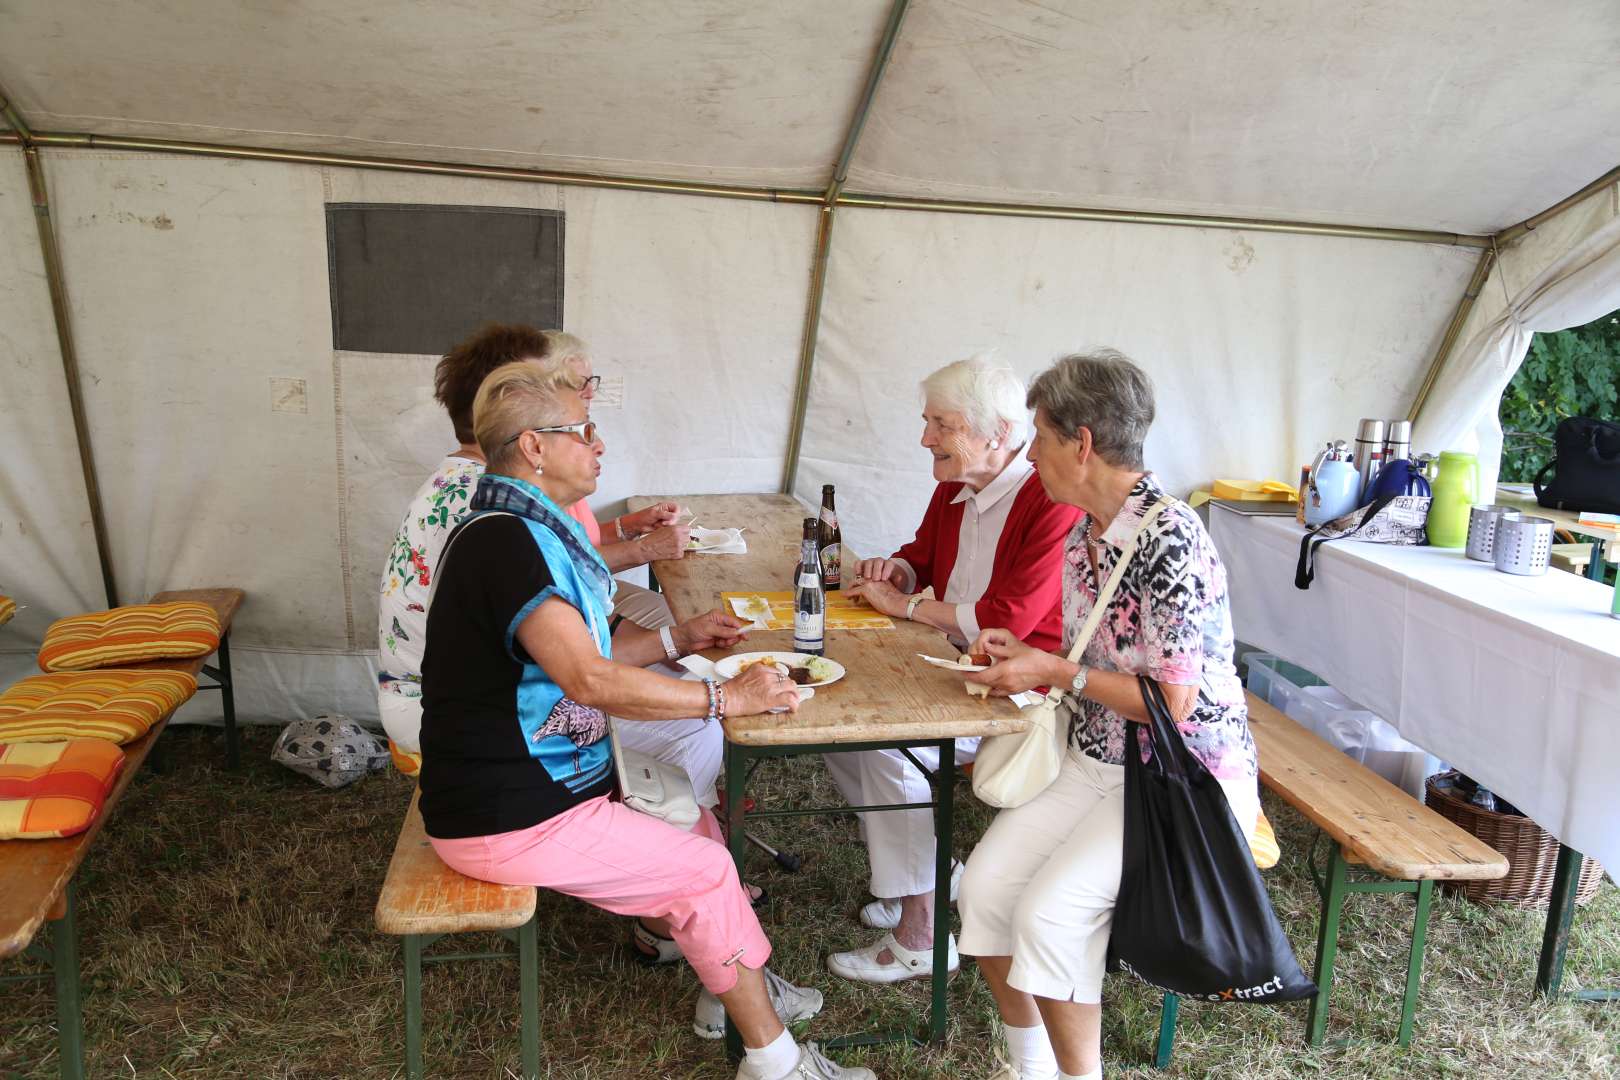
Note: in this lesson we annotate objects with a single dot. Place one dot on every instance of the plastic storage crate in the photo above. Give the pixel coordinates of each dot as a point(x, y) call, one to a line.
point(1358, 732)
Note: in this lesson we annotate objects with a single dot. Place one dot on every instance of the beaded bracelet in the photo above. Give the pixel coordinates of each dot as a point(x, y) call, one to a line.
point(714, 699)
point(720, 691)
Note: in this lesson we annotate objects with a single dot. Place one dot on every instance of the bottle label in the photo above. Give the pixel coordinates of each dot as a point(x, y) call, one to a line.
point(809, 581)
point(808, 630)
point(829, 518)
point(832, 559)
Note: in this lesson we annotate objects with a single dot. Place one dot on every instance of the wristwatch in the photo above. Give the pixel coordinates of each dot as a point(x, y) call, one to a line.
point(1078, 683)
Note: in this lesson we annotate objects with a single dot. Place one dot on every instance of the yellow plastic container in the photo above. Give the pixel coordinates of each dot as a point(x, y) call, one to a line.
point(1255, 490)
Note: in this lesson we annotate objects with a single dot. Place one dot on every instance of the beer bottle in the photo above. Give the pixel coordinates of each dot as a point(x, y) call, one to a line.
point(832, 542)
point(809, 602)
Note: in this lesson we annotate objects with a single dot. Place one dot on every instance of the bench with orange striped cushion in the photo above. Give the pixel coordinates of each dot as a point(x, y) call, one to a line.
point(113, 704)
point(54, 789)
point(130, 635)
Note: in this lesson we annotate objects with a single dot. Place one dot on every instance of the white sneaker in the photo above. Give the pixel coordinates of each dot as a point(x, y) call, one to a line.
point(813, 1065)
point(664, 951)
point(862, 965)
point(792, 1004)
point(885, 914)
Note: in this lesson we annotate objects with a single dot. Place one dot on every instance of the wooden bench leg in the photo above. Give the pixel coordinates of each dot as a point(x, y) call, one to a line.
point(1168, 1012)
point(1414, 966)
point(1327, 944)
point(69, 1012)
point(413, 1006)
point(529, 995)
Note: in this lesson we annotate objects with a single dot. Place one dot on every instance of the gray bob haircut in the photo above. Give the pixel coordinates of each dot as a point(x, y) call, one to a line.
point(1103, 392)
point(986, 392)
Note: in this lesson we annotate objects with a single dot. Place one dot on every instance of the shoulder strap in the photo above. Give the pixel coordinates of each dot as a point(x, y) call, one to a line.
point(1305, 572)
point(438, 571)
point(1093, 618)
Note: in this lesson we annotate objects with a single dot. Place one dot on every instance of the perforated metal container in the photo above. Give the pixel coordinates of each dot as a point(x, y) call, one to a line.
point(1523, 545)
point(1482, 530)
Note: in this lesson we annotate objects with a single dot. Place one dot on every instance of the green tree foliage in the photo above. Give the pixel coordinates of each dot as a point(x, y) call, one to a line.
point(1571, 373)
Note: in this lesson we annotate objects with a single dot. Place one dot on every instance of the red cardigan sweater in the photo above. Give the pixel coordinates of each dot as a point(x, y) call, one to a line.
point(1026, 578)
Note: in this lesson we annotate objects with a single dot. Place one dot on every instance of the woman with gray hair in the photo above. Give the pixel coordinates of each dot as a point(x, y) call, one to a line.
point(1039, 892)
point(987, 553)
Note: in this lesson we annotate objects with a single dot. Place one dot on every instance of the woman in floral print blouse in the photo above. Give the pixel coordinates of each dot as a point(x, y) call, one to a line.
point(1038, 896)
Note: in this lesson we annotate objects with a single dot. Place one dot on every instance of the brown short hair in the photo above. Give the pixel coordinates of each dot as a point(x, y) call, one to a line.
point(464, 368)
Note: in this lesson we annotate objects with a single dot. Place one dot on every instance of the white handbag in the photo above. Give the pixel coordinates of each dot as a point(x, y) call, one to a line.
point(1013, 769)
point(653, 787)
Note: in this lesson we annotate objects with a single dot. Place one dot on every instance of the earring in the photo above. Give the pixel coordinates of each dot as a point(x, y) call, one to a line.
point(995, 444)
point(538, 471)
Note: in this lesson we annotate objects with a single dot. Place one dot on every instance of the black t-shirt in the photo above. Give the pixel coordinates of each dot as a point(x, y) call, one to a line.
point(485, 702)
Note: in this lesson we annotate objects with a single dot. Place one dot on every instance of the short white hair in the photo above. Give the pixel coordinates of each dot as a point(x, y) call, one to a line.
point(986, 391)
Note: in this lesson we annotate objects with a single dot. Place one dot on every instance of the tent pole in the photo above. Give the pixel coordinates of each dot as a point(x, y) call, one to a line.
point(818, 268)
point(1513, 232)
point(52, 257)
point(66, 140)
point(807, 348)
point(1465, 306)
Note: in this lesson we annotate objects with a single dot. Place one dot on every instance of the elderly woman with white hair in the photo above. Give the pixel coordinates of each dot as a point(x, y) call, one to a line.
point(988, 553)
point(1039, 893)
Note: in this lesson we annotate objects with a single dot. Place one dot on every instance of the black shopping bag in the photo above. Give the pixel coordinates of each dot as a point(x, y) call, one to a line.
point(1193, 916)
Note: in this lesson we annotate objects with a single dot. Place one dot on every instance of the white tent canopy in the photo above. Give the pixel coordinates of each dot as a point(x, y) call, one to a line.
point(197, 281)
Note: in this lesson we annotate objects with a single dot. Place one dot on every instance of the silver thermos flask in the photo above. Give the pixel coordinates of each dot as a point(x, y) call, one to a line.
point(1369, 451)
point(1397, 440)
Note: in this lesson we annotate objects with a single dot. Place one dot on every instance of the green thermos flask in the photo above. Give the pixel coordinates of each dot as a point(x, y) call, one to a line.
point(1455, 489)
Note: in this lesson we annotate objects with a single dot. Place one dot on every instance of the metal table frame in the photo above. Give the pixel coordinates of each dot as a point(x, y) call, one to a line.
point(740, 762)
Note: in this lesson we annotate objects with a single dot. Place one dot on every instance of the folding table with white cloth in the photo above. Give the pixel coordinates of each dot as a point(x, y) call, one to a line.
point(1515, 680)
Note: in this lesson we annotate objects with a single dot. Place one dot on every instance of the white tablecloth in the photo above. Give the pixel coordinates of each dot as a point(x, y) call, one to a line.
point(1514, 680)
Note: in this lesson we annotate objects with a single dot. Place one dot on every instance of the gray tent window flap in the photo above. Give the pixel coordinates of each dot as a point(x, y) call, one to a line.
point(418, 279)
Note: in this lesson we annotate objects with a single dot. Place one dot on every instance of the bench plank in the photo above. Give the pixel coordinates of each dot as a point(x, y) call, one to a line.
point(36, 872)
point(1376, 823)
point(421, 895)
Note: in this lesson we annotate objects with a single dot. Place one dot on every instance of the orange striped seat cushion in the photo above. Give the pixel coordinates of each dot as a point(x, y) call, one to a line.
point(113, 704)
point(8, 608)
point(54, 789)
point(130, 635)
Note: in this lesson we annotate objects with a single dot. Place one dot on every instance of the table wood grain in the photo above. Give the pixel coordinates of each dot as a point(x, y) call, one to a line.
point(888, 694)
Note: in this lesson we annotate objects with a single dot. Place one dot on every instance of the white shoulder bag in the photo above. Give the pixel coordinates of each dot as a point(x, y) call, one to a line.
point(1013, 769)
point(646, 784)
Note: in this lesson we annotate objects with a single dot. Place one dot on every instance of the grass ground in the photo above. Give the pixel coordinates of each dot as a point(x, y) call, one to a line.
point(226, 931)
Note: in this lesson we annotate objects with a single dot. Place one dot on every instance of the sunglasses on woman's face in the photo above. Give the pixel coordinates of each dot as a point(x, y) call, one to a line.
point(585, 431)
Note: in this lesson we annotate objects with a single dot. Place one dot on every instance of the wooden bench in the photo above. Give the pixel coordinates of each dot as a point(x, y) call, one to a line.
point(423, 900)
point(38, 874)
point(1369, 822)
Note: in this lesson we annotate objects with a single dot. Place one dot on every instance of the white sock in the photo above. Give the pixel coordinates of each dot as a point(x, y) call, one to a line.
point(1031, 1052)
point(775, 1059)
point(1094, 1074)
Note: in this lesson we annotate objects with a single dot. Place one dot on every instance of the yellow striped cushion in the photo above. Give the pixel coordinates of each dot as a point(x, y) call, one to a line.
point(8, 608)
point(130, 635)
point(54, 789)
point(115, 705)
point(406, 761)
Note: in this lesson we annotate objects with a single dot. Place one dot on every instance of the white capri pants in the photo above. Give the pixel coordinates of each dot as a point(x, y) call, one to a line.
point(899, 843)
point(1042, 884)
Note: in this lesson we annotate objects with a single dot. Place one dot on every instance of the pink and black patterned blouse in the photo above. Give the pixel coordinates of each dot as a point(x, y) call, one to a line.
point(1169, 620)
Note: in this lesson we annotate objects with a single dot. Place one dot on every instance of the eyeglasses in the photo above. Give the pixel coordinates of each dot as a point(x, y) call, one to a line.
point(585, 430)
point(588, 387)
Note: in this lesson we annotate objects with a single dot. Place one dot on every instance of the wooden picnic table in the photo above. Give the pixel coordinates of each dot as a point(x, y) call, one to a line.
point(37, 875)
point(888, 698)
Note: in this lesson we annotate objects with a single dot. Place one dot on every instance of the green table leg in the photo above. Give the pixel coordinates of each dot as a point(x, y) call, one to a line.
point(737, 841)
point(529, 994)
point(1594, 568)
point(1327, 946)
point(69, 1013)
point(1168, 1012)
point(944, 795)
point(413, 1005)
point(1560, 917)
point(1414, 966)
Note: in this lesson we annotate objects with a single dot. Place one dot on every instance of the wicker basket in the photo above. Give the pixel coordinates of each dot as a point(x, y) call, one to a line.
point(1532, 852)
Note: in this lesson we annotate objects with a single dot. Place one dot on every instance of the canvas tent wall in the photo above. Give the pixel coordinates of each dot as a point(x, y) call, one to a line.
point(196, 282)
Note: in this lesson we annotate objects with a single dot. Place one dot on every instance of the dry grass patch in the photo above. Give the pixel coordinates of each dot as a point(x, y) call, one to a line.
point(226, 931)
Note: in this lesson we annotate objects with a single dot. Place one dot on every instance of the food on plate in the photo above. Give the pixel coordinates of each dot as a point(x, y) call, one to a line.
point(755, 607)
point(977, 659)
point(801, 675)
point(816, 670)
point(821, 669)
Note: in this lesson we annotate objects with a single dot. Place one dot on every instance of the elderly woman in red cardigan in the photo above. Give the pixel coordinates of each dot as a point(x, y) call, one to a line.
point(988, 553)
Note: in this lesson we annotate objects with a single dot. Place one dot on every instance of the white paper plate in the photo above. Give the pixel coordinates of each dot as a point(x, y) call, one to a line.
point(708, 539)
point(952, 665)
point(728, 667)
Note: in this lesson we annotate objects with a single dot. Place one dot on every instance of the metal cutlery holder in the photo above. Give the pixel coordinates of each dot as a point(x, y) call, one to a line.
point(1482, 525)
point(1523, 545)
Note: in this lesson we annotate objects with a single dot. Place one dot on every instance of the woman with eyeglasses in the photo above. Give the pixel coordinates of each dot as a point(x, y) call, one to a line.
point(988, 553)
point(523, 668)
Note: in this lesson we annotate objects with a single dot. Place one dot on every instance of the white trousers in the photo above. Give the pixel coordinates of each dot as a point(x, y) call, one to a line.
point(401, 719)
point(642, 606)
point(899, 843)
point(1042, 884)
